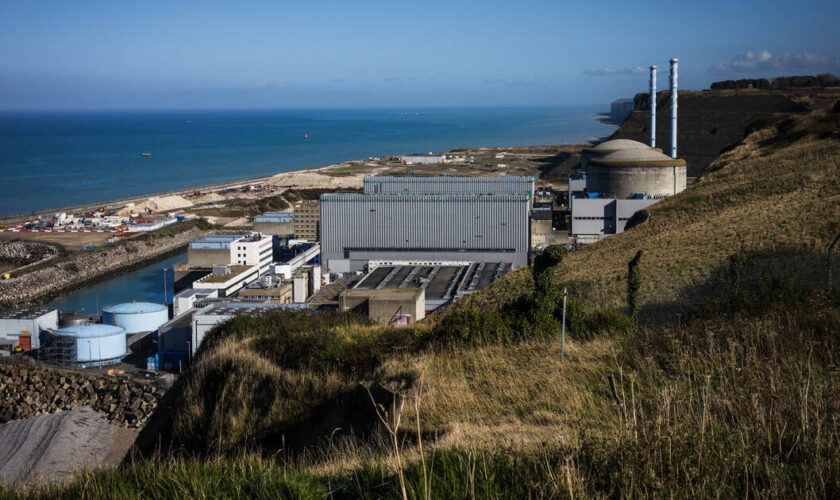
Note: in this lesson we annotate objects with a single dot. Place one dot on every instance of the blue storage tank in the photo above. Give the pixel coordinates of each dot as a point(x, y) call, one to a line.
point(136, 317)
point(91, 345)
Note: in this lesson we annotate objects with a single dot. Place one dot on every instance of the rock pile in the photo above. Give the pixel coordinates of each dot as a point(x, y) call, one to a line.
point(25, 392)
point(21, 253)
point(86, 266)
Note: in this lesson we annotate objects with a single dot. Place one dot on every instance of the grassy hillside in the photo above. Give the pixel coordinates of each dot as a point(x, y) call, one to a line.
point(738, 398)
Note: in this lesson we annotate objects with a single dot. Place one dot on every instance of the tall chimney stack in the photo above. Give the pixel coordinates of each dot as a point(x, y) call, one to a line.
point(653, 106)
point(674, 63)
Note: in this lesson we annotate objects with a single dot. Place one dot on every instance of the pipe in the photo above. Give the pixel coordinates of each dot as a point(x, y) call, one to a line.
point(674, 63)
point(653, 106)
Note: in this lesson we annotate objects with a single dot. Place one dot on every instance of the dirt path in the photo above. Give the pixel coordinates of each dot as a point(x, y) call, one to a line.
point(55, 446)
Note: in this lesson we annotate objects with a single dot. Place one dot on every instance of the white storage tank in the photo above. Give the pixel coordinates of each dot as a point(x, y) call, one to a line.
point(90, 345)
point(136, 317)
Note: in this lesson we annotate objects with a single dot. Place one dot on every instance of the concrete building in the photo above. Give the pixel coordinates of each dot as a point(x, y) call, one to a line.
point(227, 280)
point(422, 158)
point(358, 228)
point(306, 220)
point(275, 223)
point(441, 282)
point(185, 300)
point(252, 249)
point(607, 147)
point(392, 306)
point(617, 184)
point(25, 327)
point(507, 184)
point(302, 254)
point(208, 317)
point(277, 293)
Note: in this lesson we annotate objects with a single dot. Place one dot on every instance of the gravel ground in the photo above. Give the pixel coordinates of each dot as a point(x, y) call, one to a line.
point(54, 447)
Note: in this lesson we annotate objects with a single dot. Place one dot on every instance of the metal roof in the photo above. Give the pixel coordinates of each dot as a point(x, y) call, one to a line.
point(90, 331)
point(134, 308)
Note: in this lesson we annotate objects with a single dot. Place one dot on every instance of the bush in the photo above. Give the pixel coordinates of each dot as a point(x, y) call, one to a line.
point(474, 327)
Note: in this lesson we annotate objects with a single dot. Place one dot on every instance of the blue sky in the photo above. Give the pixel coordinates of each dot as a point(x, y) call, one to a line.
point(260, 54)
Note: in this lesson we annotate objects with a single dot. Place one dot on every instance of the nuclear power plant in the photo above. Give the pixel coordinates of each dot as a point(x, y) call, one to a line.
point(619, 177)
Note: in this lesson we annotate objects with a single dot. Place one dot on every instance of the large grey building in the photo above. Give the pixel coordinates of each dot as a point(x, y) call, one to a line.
point(508, 184)
point(446, 226)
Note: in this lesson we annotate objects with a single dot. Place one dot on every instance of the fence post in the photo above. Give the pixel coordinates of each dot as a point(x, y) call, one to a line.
point(830, 248)
point(563, 328)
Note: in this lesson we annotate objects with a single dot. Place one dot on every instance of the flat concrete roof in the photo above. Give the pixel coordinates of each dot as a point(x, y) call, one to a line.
point(221, 278)
point(385, 293)
point(439, 282)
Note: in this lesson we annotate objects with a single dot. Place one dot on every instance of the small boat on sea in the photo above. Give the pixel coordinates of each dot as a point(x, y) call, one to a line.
point(145, 155)
point(306, 136)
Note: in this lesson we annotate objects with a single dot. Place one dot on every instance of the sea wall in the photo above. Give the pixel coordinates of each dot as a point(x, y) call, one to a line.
point(40, 285)
point(26, 391)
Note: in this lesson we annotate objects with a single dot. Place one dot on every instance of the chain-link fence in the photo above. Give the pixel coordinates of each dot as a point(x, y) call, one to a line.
point(666, 297)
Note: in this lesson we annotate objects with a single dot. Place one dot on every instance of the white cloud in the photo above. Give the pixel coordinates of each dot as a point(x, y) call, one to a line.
point(764, 61)
point(638, 70)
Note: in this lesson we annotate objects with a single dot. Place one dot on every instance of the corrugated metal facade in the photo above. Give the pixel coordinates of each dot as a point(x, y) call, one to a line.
point(479, 227)
point(509, 184)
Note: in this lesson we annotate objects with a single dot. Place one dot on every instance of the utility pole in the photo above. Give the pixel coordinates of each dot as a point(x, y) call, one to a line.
point(830, 248)
point(164, 287)
point(563, 328)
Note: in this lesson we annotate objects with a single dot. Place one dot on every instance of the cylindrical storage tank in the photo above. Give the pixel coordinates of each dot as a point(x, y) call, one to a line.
point(136, 317)
point(91, 345)
point(636, 172)
point(606, 148)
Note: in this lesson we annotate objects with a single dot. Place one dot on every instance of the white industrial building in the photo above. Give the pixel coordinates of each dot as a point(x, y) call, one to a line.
point(136, 317)
point(420, 158)
point(24, 327)
point(227, 280)
point(254, 249)
point(186, 332)
point(88, 345)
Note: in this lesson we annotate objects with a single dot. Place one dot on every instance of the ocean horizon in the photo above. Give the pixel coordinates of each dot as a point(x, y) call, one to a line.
point(53, 159)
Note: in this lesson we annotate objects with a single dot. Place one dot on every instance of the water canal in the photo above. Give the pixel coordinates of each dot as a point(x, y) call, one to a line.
point(144, 284)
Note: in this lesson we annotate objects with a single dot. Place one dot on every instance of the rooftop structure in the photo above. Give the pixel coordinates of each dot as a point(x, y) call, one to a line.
point(442, 282)
point(507, 184)
point(391, 306)
point(229, 281)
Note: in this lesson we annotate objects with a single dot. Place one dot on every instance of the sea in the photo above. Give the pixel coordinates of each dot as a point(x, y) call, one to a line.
point(51, 160)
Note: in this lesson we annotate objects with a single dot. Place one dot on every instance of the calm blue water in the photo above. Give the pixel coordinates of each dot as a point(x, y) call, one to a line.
point(51, 160)
point(144, 284)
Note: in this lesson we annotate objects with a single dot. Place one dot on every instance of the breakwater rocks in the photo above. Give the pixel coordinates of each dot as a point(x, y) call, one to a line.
point(88, 266)
point(25, 392)
point(21, 253)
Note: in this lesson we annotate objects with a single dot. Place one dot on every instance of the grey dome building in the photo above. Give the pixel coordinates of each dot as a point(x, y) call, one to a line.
point(629, 173)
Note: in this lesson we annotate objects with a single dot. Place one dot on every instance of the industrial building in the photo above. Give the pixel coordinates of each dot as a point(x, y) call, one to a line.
point(398, 307)
point(417, 218)
point(507, 184)
point(422, 158)
point(185, 300)
point(186, 332)
point(441, 282)
point(25, 327)
point(252, 249)
point(136, 317)
point(306, 220)
point(227, 280)
point(275, 223)
point(619, 177)
point(87, 345)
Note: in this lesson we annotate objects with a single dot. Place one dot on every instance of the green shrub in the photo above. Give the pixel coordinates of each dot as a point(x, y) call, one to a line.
point(474, 327)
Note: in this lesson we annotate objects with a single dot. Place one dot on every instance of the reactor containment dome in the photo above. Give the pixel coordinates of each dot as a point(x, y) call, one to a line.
point(631, 172)
point(136, 317)
point(90, 345)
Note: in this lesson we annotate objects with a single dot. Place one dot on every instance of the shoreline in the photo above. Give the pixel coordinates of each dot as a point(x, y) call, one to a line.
point(235, 183)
